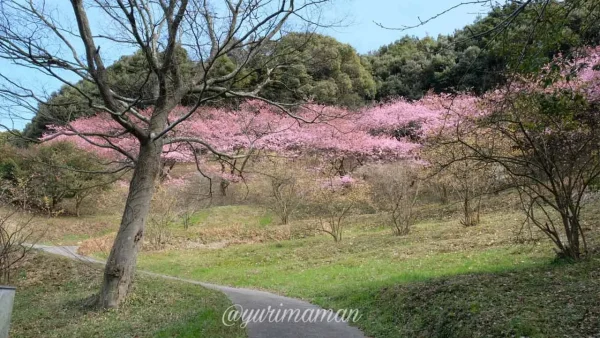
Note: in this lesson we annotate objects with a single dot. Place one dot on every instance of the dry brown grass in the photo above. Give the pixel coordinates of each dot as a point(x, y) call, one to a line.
point(206, 238)
point(42, 269)
point(54, 295)
point(100, 215)
point(100, 244)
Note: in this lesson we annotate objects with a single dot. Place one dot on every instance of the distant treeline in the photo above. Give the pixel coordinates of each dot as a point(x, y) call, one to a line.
point(321, 69)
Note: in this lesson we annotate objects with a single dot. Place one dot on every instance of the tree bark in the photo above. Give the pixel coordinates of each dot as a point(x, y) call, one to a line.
point(79, 197)
point(573, 236)
point(120, 267)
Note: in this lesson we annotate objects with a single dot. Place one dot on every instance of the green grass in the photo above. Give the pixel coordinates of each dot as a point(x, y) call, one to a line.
point(241, 215)
point(265, 219)
point(557, 300)
point(305, 269)
point(235, 223)
point(315, 267)
point(51, 302)
point(442, 280)
point(231, 215)
point(199, 217)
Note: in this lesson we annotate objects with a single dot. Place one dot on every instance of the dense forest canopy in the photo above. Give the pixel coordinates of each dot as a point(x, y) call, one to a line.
point(320, 69)
point(475, 58)
point(310, 67)
point(323, 70)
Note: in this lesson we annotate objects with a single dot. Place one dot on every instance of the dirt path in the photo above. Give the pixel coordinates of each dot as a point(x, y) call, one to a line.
point(251, 300)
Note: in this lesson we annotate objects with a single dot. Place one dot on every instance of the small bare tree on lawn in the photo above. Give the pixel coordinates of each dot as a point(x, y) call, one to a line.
point(162, 217)
point(333, 200)
point(394, 190)
point(283, 190)
point(468, 179)
point(285, 185)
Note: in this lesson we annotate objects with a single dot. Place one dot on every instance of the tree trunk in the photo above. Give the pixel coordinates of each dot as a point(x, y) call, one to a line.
point(78, 200)
point(223, 187)
point(120, 267)
point(445, 198)
point(467, 221)
point(573, 236)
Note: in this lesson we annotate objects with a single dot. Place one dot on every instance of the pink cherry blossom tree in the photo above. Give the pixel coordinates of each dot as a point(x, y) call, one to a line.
point(225, 133)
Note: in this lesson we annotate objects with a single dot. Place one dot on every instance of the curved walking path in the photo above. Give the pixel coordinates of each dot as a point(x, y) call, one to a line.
point(249, 299)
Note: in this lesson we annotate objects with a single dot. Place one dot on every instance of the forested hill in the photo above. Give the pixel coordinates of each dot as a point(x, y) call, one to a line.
point(475, 58)
point(323, 70)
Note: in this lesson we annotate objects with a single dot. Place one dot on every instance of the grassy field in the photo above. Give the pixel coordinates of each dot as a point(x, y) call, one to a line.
point(442, 280)
point(51, 302)
point(553, 300)
point(315, 267)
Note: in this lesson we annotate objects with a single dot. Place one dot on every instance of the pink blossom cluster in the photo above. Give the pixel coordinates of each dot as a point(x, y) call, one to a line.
point(337, 183)
point(328, 131)
point(588, 74)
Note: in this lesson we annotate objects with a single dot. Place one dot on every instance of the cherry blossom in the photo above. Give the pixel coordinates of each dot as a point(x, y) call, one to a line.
point(383, 132)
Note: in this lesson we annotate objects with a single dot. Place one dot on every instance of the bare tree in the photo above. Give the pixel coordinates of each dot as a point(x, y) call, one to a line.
point(161, 219)
point(332, 201)
point(395, 189)
point(17, 232)
point(547, 146)
point(284, 186)
point(469, 180)
point(470, 185)
point(37, 36)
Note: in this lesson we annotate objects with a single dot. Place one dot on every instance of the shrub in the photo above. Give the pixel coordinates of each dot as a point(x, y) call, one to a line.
point(467, 179)
point(163, 216)
point(43, 176)
point(333, 199)
point(17, 233)
point(394, 190)
point(282, 185)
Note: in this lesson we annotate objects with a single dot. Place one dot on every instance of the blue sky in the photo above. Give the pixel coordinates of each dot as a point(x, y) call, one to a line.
point(359, 30)
point(364, 35)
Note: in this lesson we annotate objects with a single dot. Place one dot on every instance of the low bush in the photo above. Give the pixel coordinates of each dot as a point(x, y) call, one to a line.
point(394, 190)
point(42, 176)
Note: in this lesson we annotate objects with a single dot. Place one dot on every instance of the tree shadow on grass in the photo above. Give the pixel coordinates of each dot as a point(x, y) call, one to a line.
point(552, 300)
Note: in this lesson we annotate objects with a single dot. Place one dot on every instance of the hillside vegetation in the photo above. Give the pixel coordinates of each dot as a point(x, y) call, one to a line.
point(324, 70)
